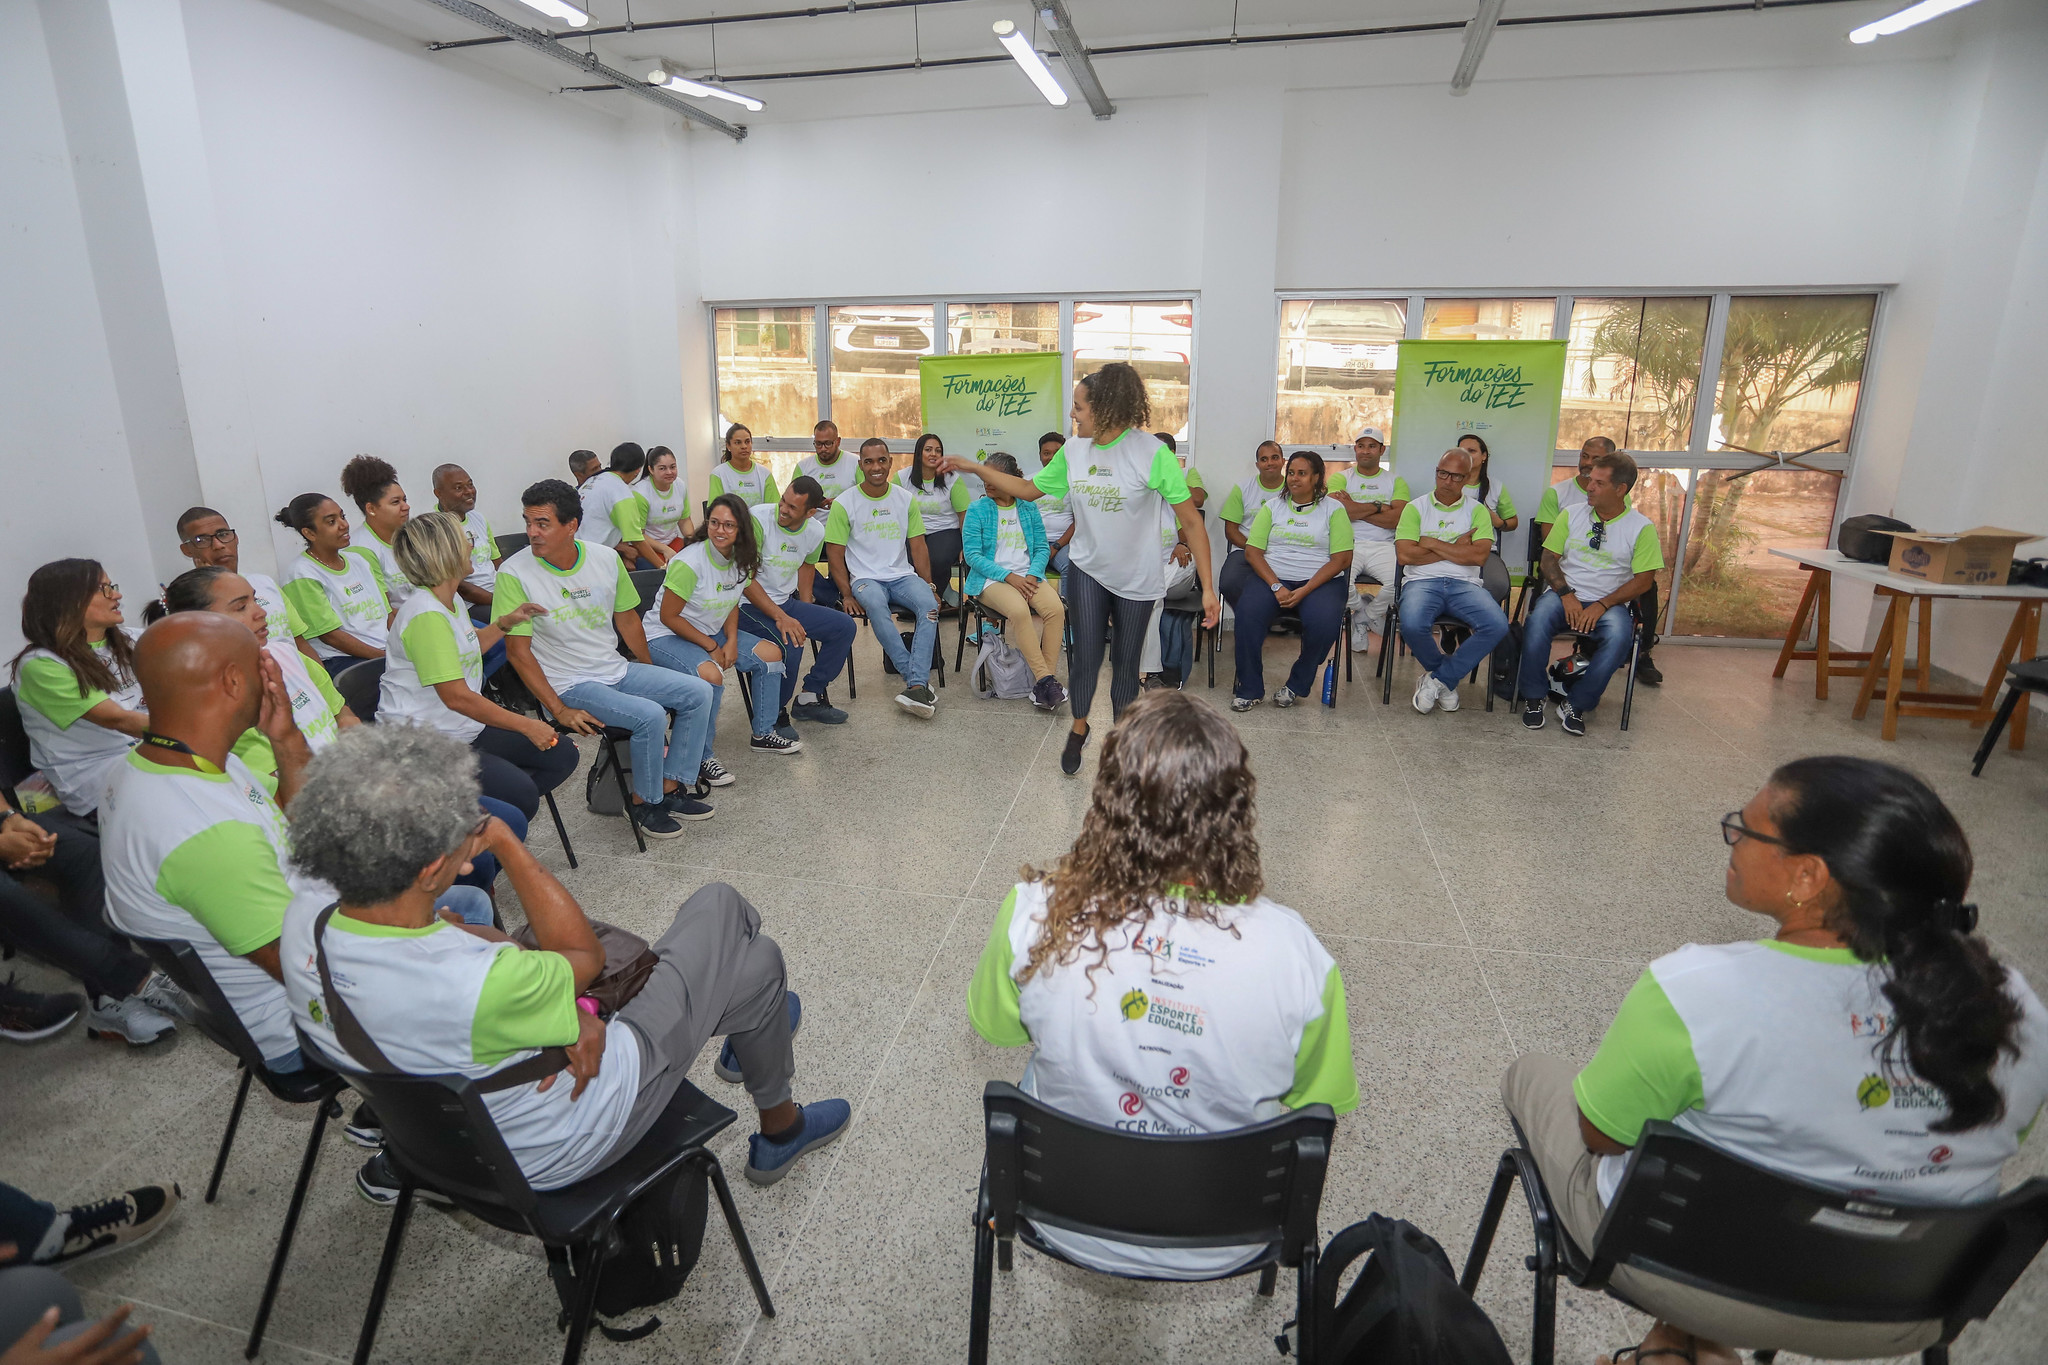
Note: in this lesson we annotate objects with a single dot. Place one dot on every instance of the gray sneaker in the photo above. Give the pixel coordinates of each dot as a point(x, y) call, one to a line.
point(1241, 704)
point(133, 1021)
point(162, 994)
point(1284, 698)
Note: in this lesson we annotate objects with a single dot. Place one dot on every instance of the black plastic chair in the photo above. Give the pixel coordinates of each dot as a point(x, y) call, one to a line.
point(439, 1134)
point(1628, 690)
point(1249, 1186)
point(512, 543)
point(647, 583)
point(1692, 1213)
point(359, 685)
point(1392, 646)
point(17, 757)
point(2021, 679)
point(214, 1017)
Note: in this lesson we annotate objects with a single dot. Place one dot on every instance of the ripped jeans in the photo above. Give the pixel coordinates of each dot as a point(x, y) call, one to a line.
point(765, 678)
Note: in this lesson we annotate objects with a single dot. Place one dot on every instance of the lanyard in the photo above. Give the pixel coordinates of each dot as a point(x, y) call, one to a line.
point(179, 746)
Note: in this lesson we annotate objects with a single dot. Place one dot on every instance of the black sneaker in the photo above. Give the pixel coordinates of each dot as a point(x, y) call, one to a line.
point(27, 1016)
point(1070, 757)
point(377, 1182)
point(1647, 673)
point(918, 701)
point(1532, 714)
point(713, 774)
point(819, 709)
point(773, 743)
point(1572, 721)
point(655, 821)
point(114, 1224)
point(686, 803)
point(365, 1129)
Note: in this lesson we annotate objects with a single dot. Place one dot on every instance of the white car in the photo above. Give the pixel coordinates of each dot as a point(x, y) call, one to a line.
point(880, 338)
point(1158, 339)
point(1344, 344)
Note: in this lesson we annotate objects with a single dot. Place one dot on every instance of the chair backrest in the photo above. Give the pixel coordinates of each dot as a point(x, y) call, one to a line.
point(511, 544)
point(360, 685)
point(212, 1015)
point(647, 582)
point(1256, 1185)
point(16, 758)
point(1696, 1214)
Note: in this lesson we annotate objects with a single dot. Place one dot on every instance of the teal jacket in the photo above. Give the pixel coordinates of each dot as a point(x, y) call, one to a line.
point(978, 542)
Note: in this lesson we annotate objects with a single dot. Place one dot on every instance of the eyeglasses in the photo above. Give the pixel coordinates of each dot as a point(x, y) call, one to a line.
point(1733, 831)
point(110, 590)
point(723, 524)
point(223, 538)
point(1457, 474)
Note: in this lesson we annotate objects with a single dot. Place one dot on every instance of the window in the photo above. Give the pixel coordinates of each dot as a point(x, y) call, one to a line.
point(875, 350)
point(766, 379)
point(1632, 372)
point(1791, 372)
point(992, 328)
point(1336, 366)
point(1488, 319)
point(1732, 583)
point(1157, 337)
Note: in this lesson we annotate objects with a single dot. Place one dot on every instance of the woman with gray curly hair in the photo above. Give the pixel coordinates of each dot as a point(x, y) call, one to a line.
point(387, 817)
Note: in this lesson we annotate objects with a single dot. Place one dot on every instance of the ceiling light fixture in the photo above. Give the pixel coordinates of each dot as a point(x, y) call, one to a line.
point(559, 9)
point(1034, 65)
point(1896, 23)
point(667, 78)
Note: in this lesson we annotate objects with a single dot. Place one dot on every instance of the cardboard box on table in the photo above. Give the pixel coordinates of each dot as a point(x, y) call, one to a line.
point(1979, 557)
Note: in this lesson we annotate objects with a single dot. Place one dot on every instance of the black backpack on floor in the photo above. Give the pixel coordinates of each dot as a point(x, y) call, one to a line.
point(660, 1236)
point(1405, 1307)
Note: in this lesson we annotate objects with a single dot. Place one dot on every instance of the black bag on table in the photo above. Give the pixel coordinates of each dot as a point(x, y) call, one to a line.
point(1867, 539)
point(1405, 1307)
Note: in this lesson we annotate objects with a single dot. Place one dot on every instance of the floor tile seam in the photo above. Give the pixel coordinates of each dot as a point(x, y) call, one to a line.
point(825, 1184)
point(270, 1338)
point(1715, 731)
point(1505, 952)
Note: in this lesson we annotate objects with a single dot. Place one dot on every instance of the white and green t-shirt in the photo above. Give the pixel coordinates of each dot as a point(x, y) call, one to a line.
point(316, 710)
point(609, 505)
point(941, 505)
point(284, 622)
point(76, 754)
point(430, 644)
point(438, 1001)
point(1298, 540)
point(876, 532)
point(1497, 499)
point(350, 598)
point(1384, 486)
point(1012, 551)
point(835, 478)
point(784, 552)
point(575, 641)
point(706, 583)
point(1557, 497)
point(1772, 1052)
point(661, 514)
point(204, 857)
point(1184, 1027)
point(483, 550)
point(1246, 497)
point(397, 587)
point(1628, 546)
point(1114, 493)
point(1427, 519)
point(754, 484)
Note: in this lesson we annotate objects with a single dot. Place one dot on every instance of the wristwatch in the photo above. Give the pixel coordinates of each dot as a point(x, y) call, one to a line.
point(1278, 589)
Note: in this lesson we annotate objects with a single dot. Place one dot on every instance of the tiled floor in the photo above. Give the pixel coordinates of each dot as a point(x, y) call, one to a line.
point(1487, 891)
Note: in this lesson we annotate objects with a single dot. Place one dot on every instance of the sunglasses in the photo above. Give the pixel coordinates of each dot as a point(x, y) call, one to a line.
point(1733, 831)
point(223, 538)
point(1597, 537)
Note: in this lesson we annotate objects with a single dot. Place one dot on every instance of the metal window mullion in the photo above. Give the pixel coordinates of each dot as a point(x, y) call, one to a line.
point(1692, 486)
point(941, 338)
point(1413, 331)
point(1066, 350)
point(1710, 378)
point(821, 357)
point(1561, 320)
point(1194, 369)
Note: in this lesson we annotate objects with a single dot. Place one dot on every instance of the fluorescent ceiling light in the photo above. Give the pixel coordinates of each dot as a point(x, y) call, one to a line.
point(559, 9)
point(666, 78)
point(1034, 65)
point(1891, 23)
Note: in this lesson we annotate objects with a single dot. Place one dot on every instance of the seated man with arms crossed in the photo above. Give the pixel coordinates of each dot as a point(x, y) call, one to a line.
point(569, 659)
point(1600, 555)
point(1374, 497)
point(386, 819)
point(780, 603)
point(874, 540)
point(1443, 545)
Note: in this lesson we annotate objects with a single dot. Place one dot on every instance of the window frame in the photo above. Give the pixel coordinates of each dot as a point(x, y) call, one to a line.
point(1696, 457)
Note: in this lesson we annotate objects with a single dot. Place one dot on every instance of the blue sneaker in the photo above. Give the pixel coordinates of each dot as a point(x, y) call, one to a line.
point(818, 709)
point(727, 1067)
point(817, 1125)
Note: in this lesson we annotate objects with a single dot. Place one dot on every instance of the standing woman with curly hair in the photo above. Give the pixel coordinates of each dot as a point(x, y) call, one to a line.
point(1161, 990)
point(1872, 1041)
point(1118, 480)
point(75, 679)
point(373, 483)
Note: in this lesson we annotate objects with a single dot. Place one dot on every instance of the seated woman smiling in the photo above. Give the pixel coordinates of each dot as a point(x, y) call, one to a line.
point(1871, 1043)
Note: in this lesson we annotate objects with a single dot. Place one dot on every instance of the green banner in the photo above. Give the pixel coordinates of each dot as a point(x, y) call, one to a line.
point(979, 404)
point(1506, 393)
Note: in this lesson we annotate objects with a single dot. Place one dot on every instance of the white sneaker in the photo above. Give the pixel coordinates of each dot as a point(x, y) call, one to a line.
point(162, 994)
point(1447, 697)
point(1426, 693)
point(132, 1020)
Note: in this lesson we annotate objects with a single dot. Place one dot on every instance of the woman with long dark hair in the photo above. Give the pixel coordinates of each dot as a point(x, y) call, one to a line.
point(1161, 990)
point(1871, 1041)
point(738, 472)
point(75, 680)
point(1499, 505)
point(942, 501)
point(694, 627)
point(337, 588)
point(1117, 479)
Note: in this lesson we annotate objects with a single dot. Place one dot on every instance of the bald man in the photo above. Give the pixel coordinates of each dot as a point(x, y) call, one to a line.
point(455, 494)
point(193, 845)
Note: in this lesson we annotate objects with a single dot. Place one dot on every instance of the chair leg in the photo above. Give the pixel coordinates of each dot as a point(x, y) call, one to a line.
point(394, 1242)
point(227, 1139)
point(1765, 1357)
point(739, 1235)
point(323, 1111)
point(1543, 1333)
point(1489, 1223)
point(1306, 1347)
point(1996, 728)
point(984, 1292)
point(585, 1311)
point(1934, 1355)
point(1628, 691)
point(1389, 628)
point(1267, 1279)
point(561, 832)
point(611, 749)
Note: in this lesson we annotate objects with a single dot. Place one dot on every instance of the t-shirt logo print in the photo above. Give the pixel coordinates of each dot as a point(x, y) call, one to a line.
point(1134, 1005)
point(1131, 1103)
point(1873, 1093)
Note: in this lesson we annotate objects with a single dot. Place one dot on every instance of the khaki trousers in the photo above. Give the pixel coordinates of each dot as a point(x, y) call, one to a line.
point(1039, 644)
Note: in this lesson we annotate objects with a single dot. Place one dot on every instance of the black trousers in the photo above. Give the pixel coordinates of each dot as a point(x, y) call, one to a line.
point(72, 935)
point(512, 770)
point(1091, 608)
point(943, 548)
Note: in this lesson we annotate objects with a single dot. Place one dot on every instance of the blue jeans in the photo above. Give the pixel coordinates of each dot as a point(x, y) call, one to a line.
point(1424, 601)
point(1611, 636)
point(642, 702)
point(876, 596)
point(494, 657)
point(1322, 620)
point(831, 633)
point(673, 651)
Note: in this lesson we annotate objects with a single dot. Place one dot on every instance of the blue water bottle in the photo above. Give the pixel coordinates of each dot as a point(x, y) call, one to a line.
point(1330, 682)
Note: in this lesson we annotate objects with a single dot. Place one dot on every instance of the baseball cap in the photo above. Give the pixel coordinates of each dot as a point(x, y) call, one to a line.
point(1370, 434)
